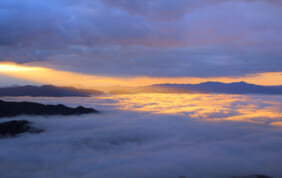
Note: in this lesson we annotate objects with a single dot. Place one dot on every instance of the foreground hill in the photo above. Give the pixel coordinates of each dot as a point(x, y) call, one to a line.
point(14, 128)
point(46, 91)
point(10, 109)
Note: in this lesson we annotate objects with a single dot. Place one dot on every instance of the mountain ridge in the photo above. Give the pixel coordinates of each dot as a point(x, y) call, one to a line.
point(226, 88)
point(46, 91)
point(12, 109)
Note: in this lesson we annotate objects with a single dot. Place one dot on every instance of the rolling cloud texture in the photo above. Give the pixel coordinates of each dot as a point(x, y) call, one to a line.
point(151, 37)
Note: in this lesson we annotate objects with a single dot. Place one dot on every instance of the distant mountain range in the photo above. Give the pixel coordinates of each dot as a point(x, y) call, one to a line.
point(218, 87)
point(46, 91)
point(207, 87)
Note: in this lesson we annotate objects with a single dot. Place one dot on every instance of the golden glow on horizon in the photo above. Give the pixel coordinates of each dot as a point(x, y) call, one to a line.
point(45, 75)
point(10, 67)
point(213, 107)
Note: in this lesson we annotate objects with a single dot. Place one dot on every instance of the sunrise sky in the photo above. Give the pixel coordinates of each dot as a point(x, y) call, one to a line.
point(138, 109)
point(94, 43)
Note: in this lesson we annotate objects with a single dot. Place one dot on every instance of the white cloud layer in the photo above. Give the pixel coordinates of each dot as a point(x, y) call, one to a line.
point(137, 144)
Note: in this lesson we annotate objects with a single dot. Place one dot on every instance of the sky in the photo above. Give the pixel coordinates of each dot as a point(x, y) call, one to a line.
point(151, 39)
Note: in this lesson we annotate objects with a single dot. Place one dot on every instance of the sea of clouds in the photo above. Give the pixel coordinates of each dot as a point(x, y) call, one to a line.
point(131, 144)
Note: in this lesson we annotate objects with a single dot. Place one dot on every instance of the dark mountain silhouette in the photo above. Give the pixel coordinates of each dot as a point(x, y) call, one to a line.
point(207, 87)
point(14, 128)
point(227, 88)
point(46, 91)
point(218, 87)
point(10, 109)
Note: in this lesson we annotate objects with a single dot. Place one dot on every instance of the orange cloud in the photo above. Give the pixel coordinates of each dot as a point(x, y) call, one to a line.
point(45, 75)
point(213, 107)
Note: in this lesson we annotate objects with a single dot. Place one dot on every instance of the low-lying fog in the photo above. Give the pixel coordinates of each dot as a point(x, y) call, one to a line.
point(199, 136)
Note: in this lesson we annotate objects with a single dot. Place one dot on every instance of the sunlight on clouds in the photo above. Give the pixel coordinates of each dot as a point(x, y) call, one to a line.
point(259, 109)
point(50, 76)
point(213, 107)
point(277, 124)
point(45, 75)
point(10, 67)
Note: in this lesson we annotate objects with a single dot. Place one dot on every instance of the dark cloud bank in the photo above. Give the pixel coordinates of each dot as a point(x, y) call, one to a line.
point(150, 37)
